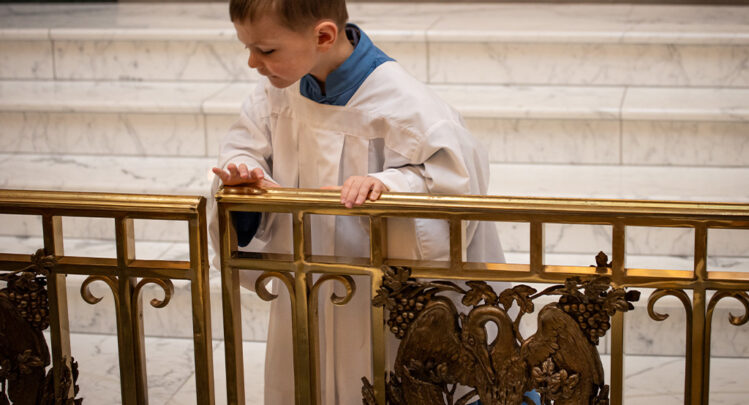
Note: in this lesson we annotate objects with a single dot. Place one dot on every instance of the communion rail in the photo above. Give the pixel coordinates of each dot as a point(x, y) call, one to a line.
point(125, 275)
point(296, 270)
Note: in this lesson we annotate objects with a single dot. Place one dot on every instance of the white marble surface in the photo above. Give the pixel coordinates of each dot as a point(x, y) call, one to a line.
point(693, 104)
point(150, 175)
point(134, 134)
point(105, 97)
point(456, 22)
point(546, 102)
point(621, 182)
point(653, 44)
point(685, 143)
point(589, 64)
point(25, 59)
point(570, 141)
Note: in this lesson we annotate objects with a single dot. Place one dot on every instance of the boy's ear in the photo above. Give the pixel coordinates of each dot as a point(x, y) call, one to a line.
point(326, 33)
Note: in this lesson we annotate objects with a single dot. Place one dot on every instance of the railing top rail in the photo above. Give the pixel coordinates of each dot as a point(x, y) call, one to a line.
point(329, 200)
point(33, 201)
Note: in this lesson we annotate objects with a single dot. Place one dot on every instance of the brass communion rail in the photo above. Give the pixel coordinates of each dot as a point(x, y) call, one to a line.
point(296, 270)
point(125, 275)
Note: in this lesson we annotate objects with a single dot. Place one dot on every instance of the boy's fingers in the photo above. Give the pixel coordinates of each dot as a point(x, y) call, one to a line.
point(244, 174)
point(222, 175)
point(257, 173)
point(376, 192)
point(364, 190)
point(353, 191)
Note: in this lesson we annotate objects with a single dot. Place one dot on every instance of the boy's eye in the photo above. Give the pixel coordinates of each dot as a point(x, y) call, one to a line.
point(267, 52)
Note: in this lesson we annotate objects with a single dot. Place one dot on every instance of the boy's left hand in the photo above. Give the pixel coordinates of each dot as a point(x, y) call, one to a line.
point(356, 189)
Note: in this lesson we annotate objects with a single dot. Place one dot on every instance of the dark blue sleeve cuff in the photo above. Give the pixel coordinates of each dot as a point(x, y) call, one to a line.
point(246, 225)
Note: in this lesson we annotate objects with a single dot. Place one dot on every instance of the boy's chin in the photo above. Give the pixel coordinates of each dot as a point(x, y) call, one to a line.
point(279, 83)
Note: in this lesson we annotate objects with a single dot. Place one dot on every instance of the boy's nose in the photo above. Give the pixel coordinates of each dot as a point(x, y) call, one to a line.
point(253, 61)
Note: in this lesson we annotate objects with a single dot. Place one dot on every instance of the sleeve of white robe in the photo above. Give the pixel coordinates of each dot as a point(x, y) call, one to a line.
point(247, 142)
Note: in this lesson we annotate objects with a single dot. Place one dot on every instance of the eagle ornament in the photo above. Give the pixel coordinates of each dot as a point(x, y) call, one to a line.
point(442, 348)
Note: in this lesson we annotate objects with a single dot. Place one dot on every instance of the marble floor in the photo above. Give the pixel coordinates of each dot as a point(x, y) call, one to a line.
point(649, 379)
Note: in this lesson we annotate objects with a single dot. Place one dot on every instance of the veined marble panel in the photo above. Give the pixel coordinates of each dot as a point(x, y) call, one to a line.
point(548, 141)
point(154, 175)
point(589, 64)
point(106, 97)
point(686, 143)
point(534, 102)
point(622, 182)
point(216, 126)
point(152, 60)
point(411, 55)
point(169, 365)
point(103, 134)
point(592, 23)
point(26, 59)
point(687, 104)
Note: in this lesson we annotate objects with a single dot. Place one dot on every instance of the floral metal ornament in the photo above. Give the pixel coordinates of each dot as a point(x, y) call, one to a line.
point(24, 355)
point(442, 348)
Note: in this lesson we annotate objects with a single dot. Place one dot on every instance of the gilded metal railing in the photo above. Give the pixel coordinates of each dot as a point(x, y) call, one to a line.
point(125, 275)
point(296, 270)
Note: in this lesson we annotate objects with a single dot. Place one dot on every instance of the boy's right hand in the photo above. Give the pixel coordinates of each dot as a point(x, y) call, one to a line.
point(237, 175)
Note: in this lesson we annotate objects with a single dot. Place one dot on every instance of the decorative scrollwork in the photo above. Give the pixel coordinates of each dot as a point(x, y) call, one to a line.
point(441, 349)
point(90, 297)
point(165, 285)
point(660, 293)
point(741, 296)
point(262, 290)
point(346, 281)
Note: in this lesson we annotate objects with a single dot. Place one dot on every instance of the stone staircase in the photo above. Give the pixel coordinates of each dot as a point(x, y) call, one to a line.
point(590, 101)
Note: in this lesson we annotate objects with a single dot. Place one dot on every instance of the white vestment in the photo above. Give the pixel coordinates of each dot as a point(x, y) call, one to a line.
point(394, 128)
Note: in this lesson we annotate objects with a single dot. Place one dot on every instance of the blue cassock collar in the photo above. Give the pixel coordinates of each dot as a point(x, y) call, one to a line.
point(342, 83)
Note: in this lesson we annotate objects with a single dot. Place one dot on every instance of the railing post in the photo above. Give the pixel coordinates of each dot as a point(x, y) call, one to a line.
point(537, 247)
point(700, 352)
point(378, 247)
point(201, 308)
point(58, 305)
point(133, 382)
point(305, 373)
point(232, 313)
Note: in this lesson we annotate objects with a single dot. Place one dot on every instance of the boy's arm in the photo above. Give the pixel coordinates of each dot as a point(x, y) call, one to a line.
point(246, 149)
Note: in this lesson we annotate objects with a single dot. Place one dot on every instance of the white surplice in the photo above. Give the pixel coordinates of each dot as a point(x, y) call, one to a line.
point(394, 128)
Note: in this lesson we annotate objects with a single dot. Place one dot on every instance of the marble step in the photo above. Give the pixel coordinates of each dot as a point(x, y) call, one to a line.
point(518, 124)
point(560, 44)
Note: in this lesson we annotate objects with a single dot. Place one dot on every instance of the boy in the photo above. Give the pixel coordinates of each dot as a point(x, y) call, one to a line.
point(333, 110)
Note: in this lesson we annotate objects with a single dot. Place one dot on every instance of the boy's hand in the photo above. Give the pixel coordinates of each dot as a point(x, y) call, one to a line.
point(356, 189)
point(235, 175)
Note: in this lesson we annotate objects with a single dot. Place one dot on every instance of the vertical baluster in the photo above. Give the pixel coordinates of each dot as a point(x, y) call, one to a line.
point(305, 373)
point(618, 268)
point(232, 312)
point(700, 351)
point(456, 244)
point(133, 381)
point(201, 308)
point(537, 247)
point(58, 306)
point(378, 247)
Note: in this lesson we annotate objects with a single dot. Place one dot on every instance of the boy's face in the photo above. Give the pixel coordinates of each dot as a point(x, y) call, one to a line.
point(280, 54)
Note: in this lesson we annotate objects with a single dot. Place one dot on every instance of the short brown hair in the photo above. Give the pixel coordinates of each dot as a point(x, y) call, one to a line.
point(293, 14)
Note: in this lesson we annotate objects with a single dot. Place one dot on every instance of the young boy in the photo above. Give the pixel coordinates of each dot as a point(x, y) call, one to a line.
point(333, 110)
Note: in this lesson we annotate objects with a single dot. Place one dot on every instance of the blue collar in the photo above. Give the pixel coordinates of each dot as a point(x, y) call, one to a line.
point(342, 83)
